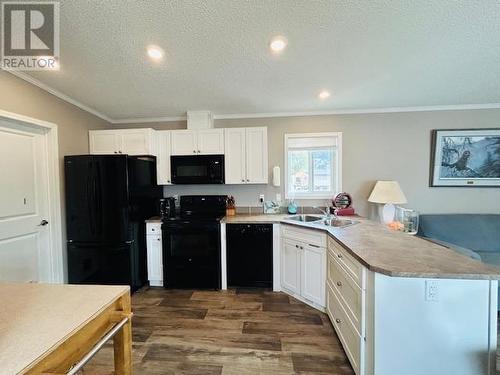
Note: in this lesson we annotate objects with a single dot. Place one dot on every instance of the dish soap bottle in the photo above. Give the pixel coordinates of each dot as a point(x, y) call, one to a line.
point(292, 207)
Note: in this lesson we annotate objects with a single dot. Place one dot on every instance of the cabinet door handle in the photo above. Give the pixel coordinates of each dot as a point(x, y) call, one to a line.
point(301, 248)
point(119, 152)
point(314, 245)
point(339, 283)
point(297, 246)
point(339, 256)
point(338, 321)
point(194, 151)
point(199, 151)
point(158, 239)
point(243, 180)
point(248, 180)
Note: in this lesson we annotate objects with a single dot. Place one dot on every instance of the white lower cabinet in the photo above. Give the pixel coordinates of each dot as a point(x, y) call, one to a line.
point(290, 266)
point(345, 302)
point(154, 254)
point(312, 273)
point(387, 324)
point(303, 265)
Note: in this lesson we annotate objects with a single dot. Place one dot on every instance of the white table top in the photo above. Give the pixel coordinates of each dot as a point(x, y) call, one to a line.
point(35, 318)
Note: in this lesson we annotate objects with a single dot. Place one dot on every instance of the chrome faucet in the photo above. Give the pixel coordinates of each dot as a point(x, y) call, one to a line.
point(325, 212)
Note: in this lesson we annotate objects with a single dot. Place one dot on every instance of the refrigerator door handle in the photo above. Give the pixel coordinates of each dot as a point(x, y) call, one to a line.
point(88, 193)
point(98, 199)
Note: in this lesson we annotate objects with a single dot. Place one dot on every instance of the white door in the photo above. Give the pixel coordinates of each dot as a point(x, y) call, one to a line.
point(135, 142)
point(235, 159)
point(211, 141)
point(163, 161)
point(313, 274)
point(256, 160)
point(24, 237)
point(290, 266)
point(154, 255)
point(184, 142)
point(104, 142)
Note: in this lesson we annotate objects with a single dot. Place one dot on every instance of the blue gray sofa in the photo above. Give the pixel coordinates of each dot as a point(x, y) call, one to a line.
point(474, 235)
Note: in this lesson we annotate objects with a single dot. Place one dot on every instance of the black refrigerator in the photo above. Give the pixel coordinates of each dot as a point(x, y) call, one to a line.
point(108, 197)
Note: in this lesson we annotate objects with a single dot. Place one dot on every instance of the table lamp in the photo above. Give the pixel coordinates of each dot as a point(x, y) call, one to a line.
point(387, 193)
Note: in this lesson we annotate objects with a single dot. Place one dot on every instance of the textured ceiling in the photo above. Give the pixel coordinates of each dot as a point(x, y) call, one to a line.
point(369, 54)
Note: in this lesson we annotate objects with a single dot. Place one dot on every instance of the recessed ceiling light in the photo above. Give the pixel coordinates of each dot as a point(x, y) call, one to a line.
point(156, 53)
point(278, 44)
point(324, 95)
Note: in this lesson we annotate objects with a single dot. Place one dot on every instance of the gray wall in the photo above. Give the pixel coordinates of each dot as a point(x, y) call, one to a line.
point(375, 147)
point(72, 123)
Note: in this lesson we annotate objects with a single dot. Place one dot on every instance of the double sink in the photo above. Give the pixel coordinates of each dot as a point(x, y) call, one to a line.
point(330, 222)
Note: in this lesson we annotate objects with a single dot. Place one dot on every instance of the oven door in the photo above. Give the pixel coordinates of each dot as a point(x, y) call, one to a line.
point(200, 169)
point(191, 255)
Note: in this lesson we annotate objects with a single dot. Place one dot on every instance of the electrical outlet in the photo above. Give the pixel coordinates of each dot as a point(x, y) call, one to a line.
point(261, 198)
point(431, 290)
point(278, 197)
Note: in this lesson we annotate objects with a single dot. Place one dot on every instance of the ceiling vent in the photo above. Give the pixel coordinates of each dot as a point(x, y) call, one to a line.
point(200, 120)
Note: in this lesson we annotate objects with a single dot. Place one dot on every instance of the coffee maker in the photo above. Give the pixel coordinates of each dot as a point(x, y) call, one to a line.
point(167, 208)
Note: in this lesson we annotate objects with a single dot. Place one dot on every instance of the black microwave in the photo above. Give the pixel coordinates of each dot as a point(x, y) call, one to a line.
point(197, 169)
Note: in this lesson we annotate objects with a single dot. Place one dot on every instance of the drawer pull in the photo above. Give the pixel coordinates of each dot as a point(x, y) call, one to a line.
point(339, 283)
point(158, 239)
point(338, 321)
point(314, 245)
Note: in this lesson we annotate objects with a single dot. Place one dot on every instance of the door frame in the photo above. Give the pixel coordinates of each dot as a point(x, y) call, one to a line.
point(53, 178)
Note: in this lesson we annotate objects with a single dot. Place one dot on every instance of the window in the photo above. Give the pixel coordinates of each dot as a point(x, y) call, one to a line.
point(312, 165)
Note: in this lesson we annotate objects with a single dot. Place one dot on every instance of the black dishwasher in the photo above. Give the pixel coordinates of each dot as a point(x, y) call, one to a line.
point(249, 255)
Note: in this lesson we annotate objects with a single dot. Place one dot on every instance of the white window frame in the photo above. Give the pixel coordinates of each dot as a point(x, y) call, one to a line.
point(337, 167)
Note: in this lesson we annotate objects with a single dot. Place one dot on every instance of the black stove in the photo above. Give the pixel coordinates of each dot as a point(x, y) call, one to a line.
point(191, 243)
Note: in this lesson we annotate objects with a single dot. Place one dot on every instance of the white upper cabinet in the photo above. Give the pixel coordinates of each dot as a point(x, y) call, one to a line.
point(104, 142)
point(198, 142)
point(235, 158)
point(256, 150)
point(163, 161)
point(211, 141)
point(123, 141)
point(246, 160)
point(184, 142)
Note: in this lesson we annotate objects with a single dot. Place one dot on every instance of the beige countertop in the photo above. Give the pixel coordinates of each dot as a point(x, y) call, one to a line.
point(398, 254)
point(389, 252)
point(35, 318)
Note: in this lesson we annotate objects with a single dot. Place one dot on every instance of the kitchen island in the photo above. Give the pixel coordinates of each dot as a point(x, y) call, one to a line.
point(49, 328)
point(399, 304)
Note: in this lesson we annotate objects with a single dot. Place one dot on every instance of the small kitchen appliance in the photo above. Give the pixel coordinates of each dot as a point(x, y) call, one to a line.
point(167, 208)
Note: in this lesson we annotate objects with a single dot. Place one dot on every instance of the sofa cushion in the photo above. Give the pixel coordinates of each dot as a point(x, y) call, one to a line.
point(478, 232)
point(460, 249)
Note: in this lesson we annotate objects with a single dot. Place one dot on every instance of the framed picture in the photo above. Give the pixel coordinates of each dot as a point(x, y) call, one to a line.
point(465, 157)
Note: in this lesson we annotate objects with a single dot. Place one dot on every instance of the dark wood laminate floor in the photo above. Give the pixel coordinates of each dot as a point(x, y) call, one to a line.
point(227, 332)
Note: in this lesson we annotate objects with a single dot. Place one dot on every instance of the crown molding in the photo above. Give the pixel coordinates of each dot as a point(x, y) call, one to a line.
point(59, 94)
point(459, 107)
point(235, 116)
point(148, 119)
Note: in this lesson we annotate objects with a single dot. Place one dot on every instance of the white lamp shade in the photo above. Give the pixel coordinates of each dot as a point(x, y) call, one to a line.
point(387, 192)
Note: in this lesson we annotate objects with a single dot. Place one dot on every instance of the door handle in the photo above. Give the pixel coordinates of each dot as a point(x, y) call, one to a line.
point(43, 223)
